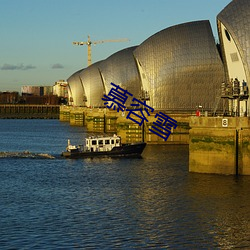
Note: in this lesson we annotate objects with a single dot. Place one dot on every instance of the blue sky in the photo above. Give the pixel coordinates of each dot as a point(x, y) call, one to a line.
point(36, 35)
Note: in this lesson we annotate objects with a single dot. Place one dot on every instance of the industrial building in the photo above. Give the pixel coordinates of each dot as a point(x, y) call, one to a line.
point(9, 97)
point(37, 90)
point(75, 90)
point(60, 89)
point(40, 95)
point(234, 34)
point(120, 68)
point(180, 67)
point(177, 69)
point(93, 93)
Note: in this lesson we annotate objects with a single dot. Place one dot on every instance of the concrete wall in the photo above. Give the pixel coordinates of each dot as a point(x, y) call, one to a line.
point(24, 111)
point(217, 148)
point(109, 121)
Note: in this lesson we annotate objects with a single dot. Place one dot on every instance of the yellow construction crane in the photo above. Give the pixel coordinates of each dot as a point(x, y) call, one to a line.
point(89, 43)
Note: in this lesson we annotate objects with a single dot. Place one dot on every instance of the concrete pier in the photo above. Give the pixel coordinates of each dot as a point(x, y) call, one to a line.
point(109, 121)
point(219, 145)
point(64, 113)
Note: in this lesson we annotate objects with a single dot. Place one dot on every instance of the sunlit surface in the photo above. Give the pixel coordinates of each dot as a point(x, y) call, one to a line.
point(107, 203)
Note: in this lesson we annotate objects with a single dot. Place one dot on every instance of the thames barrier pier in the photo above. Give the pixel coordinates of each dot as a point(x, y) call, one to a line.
point(219, 145)
point(108, 121)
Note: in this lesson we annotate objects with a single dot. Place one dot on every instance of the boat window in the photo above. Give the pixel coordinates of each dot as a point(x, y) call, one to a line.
point(107, 142)
point(93, 142)
point(112, 141)
point(100, 142)
point(117, 141)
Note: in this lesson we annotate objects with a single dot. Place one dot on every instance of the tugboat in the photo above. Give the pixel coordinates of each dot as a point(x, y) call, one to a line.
point(111, 146)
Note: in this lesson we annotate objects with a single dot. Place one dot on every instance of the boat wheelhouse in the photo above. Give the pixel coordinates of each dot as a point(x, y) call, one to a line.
point(104, 143)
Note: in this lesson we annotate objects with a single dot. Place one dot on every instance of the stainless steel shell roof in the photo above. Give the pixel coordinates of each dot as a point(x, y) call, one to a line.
point(76, 92)
point(120, 68)
point(181, 67)
point(92, 85)
point(236, 18)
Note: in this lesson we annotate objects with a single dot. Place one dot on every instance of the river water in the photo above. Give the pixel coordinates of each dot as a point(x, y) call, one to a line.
point(150, 203)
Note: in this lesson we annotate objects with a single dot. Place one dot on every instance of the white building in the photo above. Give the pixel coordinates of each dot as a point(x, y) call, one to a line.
point(60, 88)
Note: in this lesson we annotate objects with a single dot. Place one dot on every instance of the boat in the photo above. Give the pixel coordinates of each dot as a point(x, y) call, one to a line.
point(104, 146)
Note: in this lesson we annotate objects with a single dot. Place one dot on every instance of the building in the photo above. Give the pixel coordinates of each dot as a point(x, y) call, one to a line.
point(76, 93)
point(37, 90)
point(88, 85)
point(178, 69)
point(60, 89)
point(234, 33)
point(120, 69)
point(92, 84)
point(38, 95)
point(9, 97)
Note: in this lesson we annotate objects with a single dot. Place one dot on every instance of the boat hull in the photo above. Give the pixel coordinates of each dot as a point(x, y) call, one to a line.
point(126, 150)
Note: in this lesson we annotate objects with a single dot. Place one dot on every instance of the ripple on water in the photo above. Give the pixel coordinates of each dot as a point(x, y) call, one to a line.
point(145, 203)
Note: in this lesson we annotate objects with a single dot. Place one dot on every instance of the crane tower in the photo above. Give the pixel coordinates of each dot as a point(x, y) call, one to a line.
point(89, 43)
